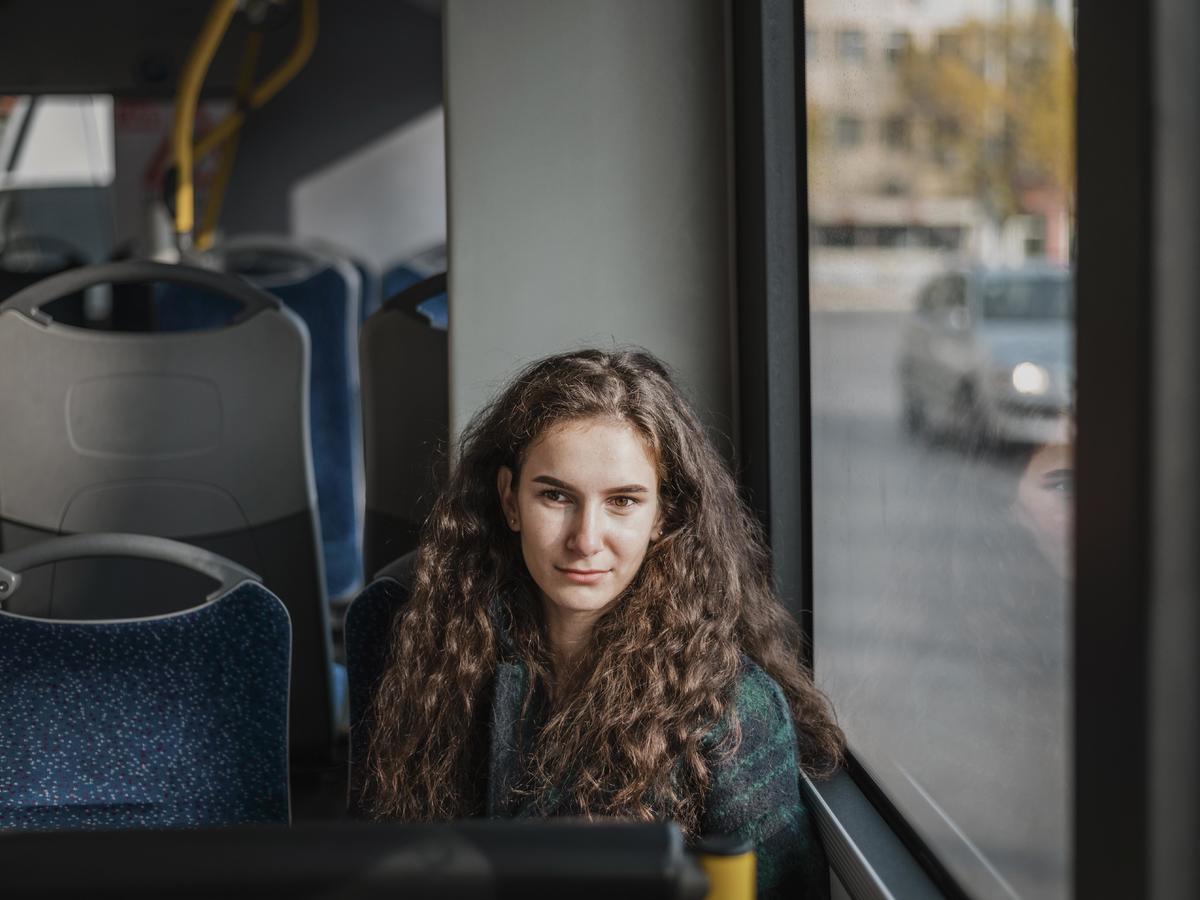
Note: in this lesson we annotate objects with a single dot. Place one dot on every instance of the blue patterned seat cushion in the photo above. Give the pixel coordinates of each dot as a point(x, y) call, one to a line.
point(172, 721)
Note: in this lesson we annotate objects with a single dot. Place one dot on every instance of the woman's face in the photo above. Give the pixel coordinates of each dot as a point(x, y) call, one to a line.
point(586, 508)
point(1045, 496)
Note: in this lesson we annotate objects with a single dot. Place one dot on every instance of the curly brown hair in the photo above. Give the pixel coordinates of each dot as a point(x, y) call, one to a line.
point(629, 738)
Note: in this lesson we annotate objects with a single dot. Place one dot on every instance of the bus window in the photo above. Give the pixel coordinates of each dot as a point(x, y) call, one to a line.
point(942, 424)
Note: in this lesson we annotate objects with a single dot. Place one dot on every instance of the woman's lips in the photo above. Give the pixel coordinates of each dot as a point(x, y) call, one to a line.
point(583, 576)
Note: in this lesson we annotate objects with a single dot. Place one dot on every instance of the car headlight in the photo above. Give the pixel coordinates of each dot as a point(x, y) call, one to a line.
point(1030, 378)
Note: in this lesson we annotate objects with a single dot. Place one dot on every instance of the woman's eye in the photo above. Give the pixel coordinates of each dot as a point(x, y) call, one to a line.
point(554, 496)
point(1061, 481)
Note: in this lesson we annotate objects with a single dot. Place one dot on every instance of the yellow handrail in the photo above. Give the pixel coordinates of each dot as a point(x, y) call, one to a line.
point(190, 83)
point(306, 40)
point(220, 182)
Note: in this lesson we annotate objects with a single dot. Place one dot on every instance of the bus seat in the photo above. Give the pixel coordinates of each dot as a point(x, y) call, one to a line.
point(434, 308)
point(368, 632)
point(369, 280)
point(167, 721)
point(400, 277)
point(324, 291)
point(197, 436)
point(372, 290)
point(406, 419)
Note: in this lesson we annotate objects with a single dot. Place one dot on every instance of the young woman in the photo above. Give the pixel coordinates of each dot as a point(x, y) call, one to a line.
point(592, 630)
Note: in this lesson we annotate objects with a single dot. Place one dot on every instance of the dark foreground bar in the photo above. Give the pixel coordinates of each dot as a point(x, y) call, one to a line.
point(468, 859)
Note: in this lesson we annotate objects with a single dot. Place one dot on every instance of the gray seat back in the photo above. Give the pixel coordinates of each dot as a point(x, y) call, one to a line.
point(406, 420)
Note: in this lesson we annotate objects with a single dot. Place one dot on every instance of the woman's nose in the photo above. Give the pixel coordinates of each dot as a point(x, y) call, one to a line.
point(586, 537)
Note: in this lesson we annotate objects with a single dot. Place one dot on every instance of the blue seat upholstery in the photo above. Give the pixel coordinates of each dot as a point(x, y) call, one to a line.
point(368, 631)
point(169, 721)
point(436, 308)
point(370, 282)
point(398, 278)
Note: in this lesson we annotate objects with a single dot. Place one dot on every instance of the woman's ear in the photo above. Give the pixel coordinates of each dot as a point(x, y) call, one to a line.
point(508, 497)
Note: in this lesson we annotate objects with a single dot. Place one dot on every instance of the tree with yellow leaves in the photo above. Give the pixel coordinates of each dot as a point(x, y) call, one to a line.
point(998, 99)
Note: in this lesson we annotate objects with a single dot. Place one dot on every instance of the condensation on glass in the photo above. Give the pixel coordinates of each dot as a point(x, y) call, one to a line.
point(941, 206)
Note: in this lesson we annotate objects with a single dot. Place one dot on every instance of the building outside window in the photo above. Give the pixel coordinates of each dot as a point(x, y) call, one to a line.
point(851, 46)
point(898, 45)
point(897, 132)
point(848, 131)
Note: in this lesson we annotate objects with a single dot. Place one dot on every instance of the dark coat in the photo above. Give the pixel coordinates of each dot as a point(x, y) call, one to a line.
point(754, 795)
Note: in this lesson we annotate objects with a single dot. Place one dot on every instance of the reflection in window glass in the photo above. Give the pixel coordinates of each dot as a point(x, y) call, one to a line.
point(942, 323)
point(7, 102)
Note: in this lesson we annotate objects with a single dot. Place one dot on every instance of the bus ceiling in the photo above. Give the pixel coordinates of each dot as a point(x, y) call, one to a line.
point(135, 48)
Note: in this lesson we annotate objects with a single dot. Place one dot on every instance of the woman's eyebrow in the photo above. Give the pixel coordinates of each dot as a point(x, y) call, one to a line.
point(624, 489)
point(553, 482)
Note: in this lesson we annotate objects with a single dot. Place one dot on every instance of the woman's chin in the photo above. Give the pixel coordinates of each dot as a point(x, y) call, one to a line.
point(579, 598)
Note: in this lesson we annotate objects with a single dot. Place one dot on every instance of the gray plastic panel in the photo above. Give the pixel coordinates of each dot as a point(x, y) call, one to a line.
point(405, 421)
point(214, 415)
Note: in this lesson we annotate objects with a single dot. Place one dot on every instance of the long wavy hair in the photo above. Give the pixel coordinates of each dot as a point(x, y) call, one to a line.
point(632, 736)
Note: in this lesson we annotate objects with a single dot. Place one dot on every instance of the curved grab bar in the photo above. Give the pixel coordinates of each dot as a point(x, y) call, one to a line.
point(30, 299)
point(137, 546)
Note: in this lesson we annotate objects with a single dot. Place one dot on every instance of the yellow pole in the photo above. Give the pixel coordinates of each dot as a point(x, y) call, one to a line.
point(216, 194)
point(188, 97)
point(306, 40)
